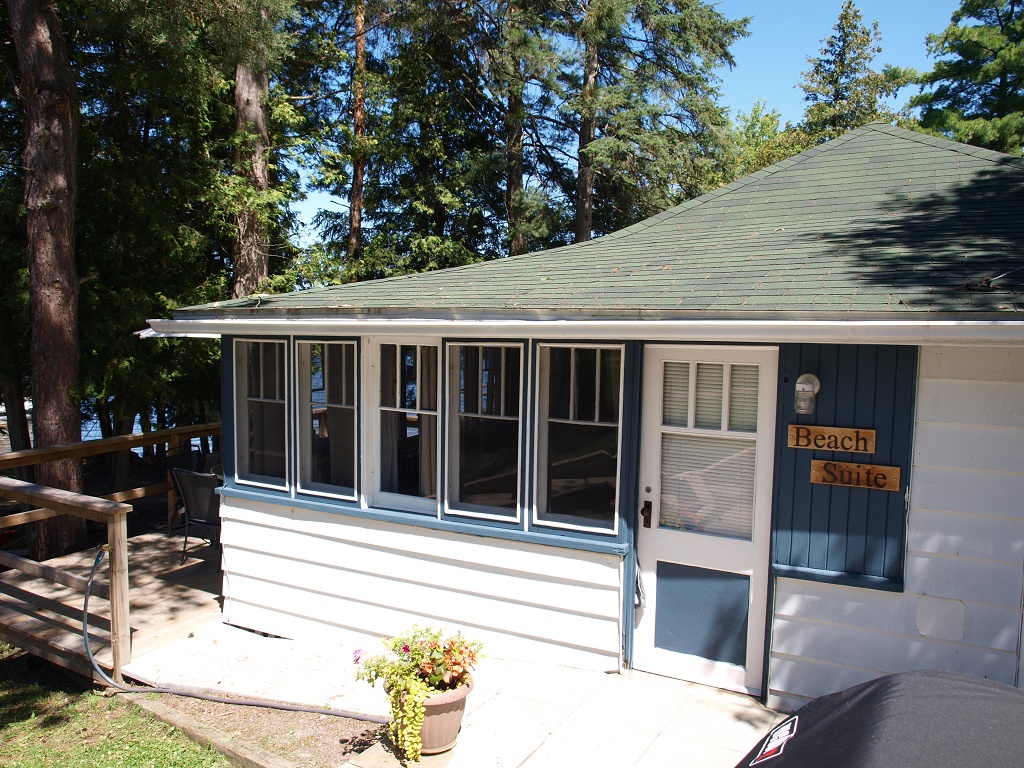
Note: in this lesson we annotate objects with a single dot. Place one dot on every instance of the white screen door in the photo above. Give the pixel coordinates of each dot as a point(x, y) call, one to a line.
point(706, 450)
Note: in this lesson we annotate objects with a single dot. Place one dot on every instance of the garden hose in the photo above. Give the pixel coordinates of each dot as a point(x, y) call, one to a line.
point(175, 691)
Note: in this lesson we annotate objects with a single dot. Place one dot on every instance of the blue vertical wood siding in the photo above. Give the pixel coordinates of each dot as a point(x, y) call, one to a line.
point(834, 533)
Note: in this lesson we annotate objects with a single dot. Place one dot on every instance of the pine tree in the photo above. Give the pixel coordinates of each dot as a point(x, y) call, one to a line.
point(977, 85)
point(642, 104)
point(842, 89)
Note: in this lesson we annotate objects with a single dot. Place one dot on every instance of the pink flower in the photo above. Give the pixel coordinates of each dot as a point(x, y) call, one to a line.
point(405, 649)
point(357, 655)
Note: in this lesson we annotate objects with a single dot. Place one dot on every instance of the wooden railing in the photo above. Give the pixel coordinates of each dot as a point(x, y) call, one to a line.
point(114, 515)
point(110, 511)
point(173, 438)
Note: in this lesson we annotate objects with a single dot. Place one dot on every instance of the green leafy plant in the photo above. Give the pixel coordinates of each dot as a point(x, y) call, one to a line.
point(417, 664)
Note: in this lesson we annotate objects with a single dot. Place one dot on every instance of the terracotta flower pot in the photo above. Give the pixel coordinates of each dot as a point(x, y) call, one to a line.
point(443, 719)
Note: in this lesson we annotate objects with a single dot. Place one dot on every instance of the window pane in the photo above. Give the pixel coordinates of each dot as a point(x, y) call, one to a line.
point(743, 380)
point(333, 449)
point(488, 462)
point(512, 382)
point(490, 393)
point(317, 394)
point(585, 393)
point(266, 439)
point(559, 381)
point(708, 406)
point(484, 442)
point(335, 373)
point(469, 376)
point(407, 393)
point(408, 453)
point(676, 405)
point(350, 374)
point(611, 362)
point(272, 360)
point(253, 365)
point(581, 474)
point(388, 375)
point(707, 484)
point(327, 455)
point(428, 378)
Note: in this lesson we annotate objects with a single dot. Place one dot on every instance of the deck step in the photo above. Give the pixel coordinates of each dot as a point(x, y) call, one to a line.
point(50, 629)
point(167, 601)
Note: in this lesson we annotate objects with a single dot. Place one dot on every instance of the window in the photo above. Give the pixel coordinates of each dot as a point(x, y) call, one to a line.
point(408, 424)
point(260, 415)
point(327, 418)
point(708, 450)
point(578, 437)
point(483, 429)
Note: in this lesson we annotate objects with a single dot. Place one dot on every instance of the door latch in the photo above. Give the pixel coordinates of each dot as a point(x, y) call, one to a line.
point(645, 513)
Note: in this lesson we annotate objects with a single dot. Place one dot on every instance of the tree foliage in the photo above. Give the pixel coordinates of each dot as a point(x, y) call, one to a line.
point(977, 85)
point(759, 139)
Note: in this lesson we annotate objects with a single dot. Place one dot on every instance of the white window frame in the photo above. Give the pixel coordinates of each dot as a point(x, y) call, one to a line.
point(303, 403)
point(451, 456)
point(240, 367)
point(540, 456)
point(371, 444)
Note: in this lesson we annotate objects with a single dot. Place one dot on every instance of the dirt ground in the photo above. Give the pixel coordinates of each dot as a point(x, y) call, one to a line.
point(305, 738)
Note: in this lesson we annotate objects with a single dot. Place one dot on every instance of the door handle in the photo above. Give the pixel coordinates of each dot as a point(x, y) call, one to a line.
point(645, 513)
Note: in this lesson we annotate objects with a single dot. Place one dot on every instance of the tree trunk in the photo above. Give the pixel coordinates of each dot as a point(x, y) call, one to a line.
point(514, 165)
point(121, 464)
point(251, 255)
point(47, 91)
point(355, 198)
point(585, 177)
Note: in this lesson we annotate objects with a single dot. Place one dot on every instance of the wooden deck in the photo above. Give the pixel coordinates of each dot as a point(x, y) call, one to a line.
point(167, 600)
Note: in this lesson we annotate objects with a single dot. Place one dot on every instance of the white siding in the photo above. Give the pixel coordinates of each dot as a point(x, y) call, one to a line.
point(298, 573)
point(961, 609)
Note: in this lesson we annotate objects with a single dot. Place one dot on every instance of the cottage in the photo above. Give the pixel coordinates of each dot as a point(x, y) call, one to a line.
point(771, 439)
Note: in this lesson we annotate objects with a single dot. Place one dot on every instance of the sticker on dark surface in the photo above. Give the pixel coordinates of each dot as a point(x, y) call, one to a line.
point(776, 740)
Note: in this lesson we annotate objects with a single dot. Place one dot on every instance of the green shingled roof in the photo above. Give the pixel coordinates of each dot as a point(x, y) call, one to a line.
point(881, 220)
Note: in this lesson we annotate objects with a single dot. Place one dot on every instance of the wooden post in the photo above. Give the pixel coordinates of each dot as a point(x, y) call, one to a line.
point(120, 627)
point(173, 442)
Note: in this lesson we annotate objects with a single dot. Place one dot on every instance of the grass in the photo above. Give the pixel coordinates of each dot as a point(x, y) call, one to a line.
point(47, 718)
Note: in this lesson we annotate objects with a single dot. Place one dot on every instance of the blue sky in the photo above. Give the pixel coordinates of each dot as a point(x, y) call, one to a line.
point(783, 33)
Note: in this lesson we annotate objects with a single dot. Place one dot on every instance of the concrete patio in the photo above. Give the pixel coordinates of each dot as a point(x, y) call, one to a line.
point(528, 714)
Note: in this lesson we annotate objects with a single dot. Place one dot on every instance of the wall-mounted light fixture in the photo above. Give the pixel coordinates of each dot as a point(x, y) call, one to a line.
point(807, 387)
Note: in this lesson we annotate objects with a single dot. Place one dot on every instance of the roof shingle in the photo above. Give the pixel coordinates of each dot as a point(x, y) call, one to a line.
point(881, 220)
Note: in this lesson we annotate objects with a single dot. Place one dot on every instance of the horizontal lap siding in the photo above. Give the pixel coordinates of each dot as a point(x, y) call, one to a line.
point(965, 547)
point(299, 573)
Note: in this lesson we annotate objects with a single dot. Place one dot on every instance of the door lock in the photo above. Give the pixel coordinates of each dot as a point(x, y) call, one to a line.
point(645, 513)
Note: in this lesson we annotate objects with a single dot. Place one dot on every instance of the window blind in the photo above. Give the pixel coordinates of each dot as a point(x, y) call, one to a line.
point(707, 484)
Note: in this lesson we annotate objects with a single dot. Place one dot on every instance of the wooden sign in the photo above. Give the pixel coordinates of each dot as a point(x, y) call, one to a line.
point(855, 475)
point(832, 438)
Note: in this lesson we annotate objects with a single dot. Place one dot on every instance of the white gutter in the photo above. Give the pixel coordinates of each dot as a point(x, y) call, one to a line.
point(910, 331)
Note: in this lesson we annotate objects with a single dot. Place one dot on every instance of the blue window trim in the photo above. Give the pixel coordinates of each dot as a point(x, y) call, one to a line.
point(838, 578)
point(282, 499)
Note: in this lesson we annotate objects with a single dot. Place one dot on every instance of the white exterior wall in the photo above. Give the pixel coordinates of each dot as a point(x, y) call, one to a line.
point(304, 574)
point(961, 608)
